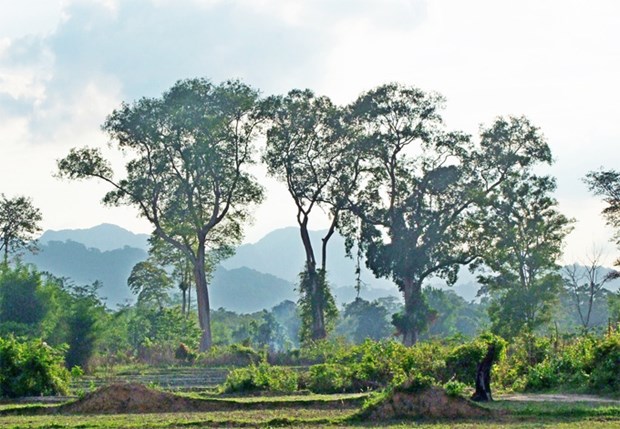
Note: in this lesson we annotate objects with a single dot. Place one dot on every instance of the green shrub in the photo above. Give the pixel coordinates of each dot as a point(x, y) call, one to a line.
point(321, 351)
point(606, 364)
point(542, 376)
point(232, 355)
point(415, 384)
point(329, 378)
point(261, 377)
point(462, 362)
point(31, 368)
point(455, 388)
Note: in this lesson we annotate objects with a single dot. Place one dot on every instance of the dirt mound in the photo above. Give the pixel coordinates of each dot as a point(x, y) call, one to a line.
point(134, 398)
point(431, 402)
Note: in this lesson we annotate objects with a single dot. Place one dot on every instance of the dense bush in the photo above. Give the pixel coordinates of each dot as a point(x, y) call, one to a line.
point(605, 373)
point(462, 361)
point(375, 364)
point(233, 355)
point(31, 368)
point(329, 378)
point(261, 377)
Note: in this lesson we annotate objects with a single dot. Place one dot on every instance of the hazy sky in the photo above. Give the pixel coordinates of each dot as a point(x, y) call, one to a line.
point(65, 65)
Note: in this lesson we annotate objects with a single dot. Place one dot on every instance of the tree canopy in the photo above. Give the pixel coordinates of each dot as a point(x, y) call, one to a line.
point(19, 222)
point(308, 149)
point(420, 185)
point(187, 172)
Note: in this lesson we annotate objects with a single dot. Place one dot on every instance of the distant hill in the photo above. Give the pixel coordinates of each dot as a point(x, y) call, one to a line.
point(246, 291)
point(281, 253)
point(259, 275)
point(85, 265)
point(103, 237)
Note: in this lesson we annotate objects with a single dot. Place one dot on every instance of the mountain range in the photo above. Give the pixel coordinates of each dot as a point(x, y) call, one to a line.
point(263, 273)
point(260, 275)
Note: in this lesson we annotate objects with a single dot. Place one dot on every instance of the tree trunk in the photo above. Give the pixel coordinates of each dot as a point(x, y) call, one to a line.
point(184, 305)
point(189, 300)
point(483, 377)
point(315, 291)
point(202, 296)
point(412, 291)
point(316, 301)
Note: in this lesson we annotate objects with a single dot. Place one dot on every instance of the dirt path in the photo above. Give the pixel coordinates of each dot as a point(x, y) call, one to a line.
point(559, 397)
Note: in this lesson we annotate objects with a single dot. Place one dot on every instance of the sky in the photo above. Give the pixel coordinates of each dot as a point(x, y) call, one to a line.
point(65, 65)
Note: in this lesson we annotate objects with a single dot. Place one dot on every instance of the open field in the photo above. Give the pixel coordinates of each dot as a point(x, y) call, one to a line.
point(337, 411)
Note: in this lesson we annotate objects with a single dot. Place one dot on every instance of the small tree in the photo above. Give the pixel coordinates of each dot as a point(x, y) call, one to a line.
point(150, 283)
point(585, 284)
point(370, 320)
point(524, 232)
point(19, 223)
point(22, 306)
point(83, 324)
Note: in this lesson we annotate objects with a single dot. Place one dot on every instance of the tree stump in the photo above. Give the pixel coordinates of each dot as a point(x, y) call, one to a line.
point(483, 377)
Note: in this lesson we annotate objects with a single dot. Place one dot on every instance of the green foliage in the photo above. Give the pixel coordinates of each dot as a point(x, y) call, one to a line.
point(232, 355)
point(156, 334)
point(523, 353)
point(150, 283)
point(329, 378)
point(261, 377)
point(424, 228)
point(462, 361)
point(415, 384)
point(605, 373)
point(614, 308)
point(19, 223)
point(22, 304)
point(525, 232)
point(322, 351)
point(366, 320)
point(31, 368)
point(455, 388)
point(187, 175)
point(607, 184)
point(454, 315)
point(83, 323)
point(585, 362)
point(376, 364)
point(315, 294)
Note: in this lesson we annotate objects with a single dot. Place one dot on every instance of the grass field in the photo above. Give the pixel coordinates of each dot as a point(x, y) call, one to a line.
point(299, 412)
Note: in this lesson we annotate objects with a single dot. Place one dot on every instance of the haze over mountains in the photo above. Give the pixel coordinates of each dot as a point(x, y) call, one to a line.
point(260, 275)
point(263, 274)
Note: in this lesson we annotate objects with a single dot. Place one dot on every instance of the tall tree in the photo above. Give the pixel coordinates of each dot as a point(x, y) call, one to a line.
point(187, 175)
point(19, 222)
point(307, 148)
point(524, 232)
point(607, 184)
point(421, 184)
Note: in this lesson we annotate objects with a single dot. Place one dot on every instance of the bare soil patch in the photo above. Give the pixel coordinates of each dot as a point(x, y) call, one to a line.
point(432, 402)
point(136, 398)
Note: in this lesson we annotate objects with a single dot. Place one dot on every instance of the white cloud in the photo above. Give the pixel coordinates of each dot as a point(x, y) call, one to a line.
point(65, 66)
